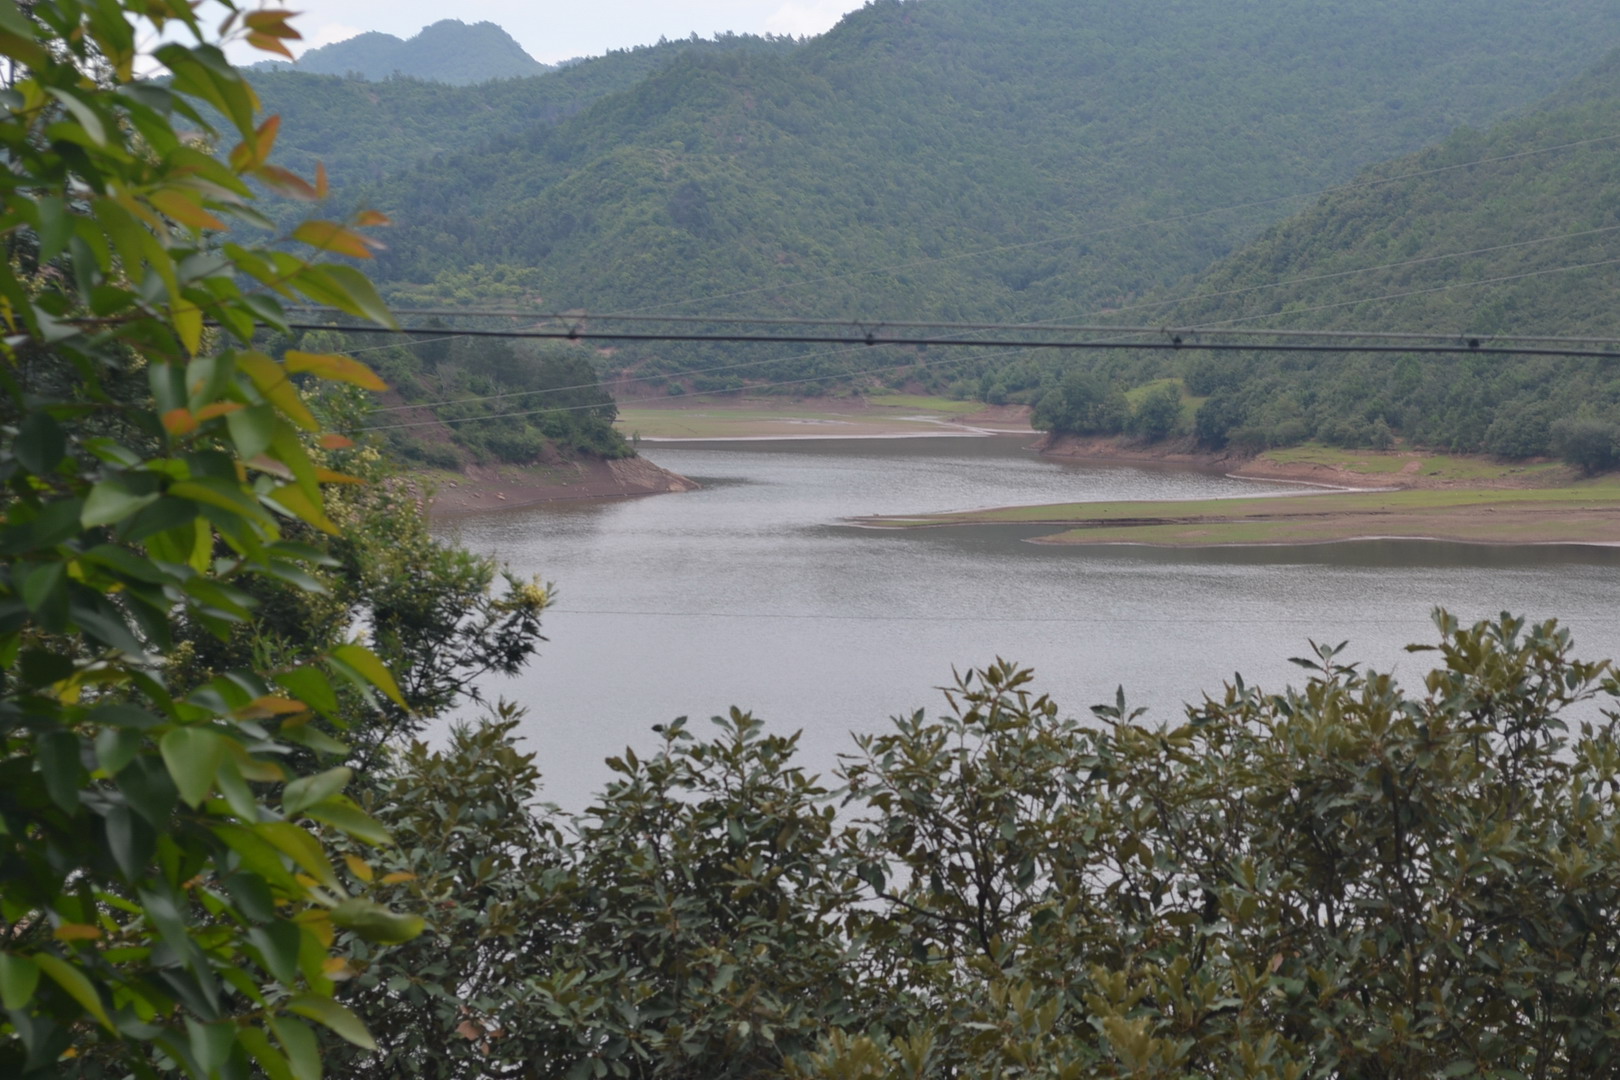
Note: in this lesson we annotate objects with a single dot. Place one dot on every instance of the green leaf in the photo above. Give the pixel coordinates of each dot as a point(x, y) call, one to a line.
point(84, 114)
point(302, 1049)
point(271, 1060)
point(309, 790)
point(312, 687)
point(278, 945)
point(116, 748)
point(251, 429)
point(57, 755)
point(371, 669)
point(130, 839)
point(340, 812)
point(271, 380)
point(40, 443)
point(347, 289)
point(324, 1010)
point(43, 585)
point(111, 501)
point(258, 855)
point(298, 845)
point(80, 988)
point(147, 785)
point(193, 755)
point(375, 923)
point(211, 1044)
point(18, 977)
point(337, 367)
point(12, 20)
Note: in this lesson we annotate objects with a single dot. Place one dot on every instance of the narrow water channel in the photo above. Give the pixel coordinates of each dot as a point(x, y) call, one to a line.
point(753, 592)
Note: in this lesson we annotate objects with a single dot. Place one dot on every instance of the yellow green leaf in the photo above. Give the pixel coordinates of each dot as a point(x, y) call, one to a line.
point(78, 987)
point(330, 236)
point(297, 502)
point(272, 381)
point(188, 323)
point(374, 922)
point(336, 367)
point(373, 670)
point(185, 209)
point(302, 848)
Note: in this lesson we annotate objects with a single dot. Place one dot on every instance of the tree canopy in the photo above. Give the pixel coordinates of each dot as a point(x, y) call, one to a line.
point(168, 899)
point(1349, 878)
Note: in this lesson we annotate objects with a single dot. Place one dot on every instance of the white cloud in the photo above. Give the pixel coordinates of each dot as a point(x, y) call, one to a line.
point(809, 18)
point(326, 34)
point(556, 31)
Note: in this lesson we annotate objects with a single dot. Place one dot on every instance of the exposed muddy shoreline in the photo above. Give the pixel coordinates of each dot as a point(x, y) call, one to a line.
point(484, 488)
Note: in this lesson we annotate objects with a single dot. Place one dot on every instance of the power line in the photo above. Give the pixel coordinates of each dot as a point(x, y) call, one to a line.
point(1050, 325)
point(1175, 338)
point(1166, 346)
point(759, 321)
point(632, 401)
point(1088, 620)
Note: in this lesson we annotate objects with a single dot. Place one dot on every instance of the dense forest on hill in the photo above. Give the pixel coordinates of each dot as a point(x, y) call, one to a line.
point(449, 51)
point(364, 131)
point(1523, 242)
point(458, 401)
point(963, 159)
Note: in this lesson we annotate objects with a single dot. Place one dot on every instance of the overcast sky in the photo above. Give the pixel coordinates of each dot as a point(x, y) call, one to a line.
point(552, 31)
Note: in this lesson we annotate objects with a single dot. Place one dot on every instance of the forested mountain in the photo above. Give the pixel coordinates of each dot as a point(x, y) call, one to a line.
point(449, 51)
point(364, 131)
point(1512, 230)
point(969, 158)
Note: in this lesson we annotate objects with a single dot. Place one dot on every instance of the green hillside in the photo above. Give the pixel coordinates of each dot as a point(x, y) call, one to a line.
point(365, 131)
point(969, 158)
point(1420, 244)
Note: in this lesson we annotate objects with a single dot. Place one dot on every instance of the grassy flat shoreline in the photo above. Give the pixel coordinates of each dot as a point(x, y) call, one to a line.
point(718, 418)
point(1585, 512)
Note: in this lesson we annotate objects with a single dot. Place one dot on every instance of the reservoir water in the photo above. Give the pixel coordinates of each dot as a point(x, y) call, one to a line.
point(754, 592)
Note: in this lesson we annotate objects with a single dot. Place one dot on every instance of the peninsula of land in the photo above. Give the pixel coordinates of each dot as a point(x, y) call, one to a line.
point(1400, 493)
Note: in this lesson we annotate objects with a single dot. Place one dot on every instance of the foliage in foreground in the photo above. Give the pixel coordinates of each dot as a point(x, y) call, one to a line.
point(168, 903)
point(1348, 879)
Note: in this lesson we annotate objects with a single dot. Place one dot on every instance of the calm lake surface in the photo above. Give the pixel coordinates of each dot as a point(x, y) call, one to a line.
point(751, 592)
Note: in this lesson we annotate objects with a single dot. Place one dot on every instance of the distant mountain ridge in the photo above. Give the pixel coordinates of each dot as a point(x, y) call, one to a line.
point(449, 51)
point(966, 159)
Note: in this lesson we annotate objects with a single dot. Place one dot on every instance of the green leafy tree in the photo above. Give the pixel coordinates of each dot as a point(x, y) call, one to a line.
point(1350, 878)
point(1590, 444)
point(166, 901)
point(1158, 415)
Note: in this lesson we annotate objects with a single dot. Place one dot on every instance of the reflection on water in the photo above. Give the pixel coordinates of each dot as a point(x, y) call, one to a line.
point(751, 592)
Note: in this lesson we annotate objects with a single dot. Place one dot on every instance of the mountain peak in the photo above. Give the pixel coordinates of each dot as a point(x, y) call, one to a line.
point(448, 51)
